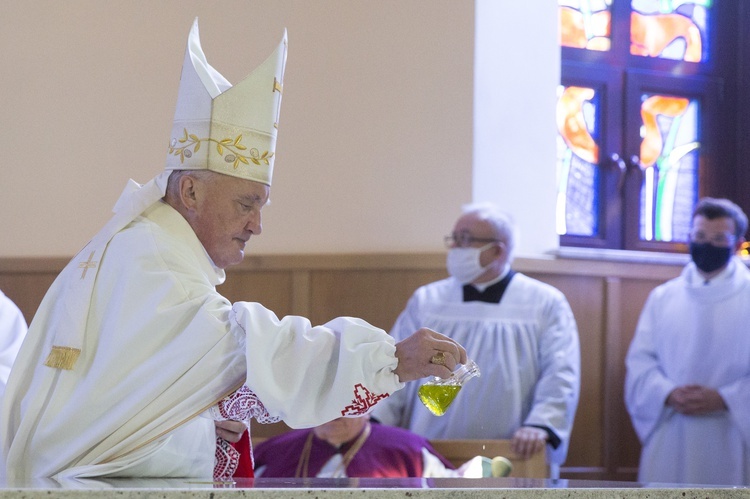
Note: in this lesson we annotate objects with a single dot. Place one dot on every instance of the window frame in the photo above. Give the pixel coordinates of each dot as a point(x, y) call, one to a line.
point(623, 78)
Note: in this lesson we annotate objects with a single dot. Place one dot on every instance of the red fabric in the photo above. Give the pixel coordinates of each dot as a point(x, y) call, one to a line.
point(245, 466)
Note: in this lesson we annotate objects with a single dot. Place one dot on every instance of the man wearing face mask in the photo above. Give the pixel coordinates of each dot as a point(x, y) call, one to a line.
point(520, 332)
point(688, 368)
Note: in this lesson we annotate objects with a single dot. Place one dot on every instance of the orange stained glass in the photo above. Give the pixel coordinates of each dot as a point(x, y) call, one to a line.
point(571, 123)
point(669, 29)
point(651, 108)
point(577, 161)
point(585, 24)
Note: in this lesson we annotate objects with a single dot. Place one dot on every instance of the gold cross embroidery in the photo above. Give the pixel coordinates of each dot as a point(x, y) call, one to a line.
point(88, 264)
point(277, 87)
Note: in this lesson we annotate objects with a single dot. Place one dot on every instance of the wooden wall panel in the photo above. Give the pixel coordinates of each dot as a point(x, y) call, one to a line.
point(586, 297)
point(26, 281)
point(606, 298)
point(26, 291)
point(273, 289)
point(377, 296)
point(627, 452)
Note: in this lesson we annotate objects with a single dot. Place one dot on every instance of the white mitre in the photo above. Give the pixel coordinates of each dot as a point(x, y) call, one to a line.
point(218, 127)
point(223, 128)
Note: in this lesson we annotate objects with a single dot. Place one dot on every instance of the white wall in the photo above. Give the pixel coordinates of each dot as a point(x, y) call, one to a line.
point(375, 148)
point(517, 70)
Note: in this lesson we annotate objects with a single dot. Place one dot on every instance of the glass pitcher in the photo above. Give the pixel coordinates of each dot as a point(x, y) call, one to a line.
point(438, 393)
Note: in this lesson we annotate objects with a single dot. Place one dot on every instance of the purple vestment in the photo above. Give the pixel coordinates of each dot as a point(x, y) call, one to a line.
point(388, 452)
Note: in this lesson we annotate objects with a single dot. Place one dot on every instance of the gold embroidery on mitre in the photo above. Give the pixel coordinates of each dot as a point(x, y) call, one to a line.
point(62, 357)
point(232, 147)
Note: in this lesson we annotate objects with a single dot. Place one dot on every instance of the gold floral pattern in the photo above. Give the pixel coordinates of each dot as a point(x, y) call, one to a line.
point(232, 150)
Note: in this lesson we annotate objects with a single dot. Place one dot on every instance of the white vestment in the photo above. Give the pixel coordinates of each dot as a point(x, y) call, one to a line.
point(162, 346)
point(12, 332)
point(690, 332)
point(526, 348)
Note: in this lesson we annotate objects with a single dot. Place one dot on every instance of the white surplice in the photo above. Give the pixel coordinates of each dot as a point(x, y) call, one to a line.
point(690, 332)
point(526, 348)
point(161, 347)
point(12, 332)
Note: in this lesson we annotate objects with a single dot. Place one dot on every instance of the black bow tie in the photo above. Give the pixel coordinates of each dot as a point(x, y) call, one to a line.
point(492, 294)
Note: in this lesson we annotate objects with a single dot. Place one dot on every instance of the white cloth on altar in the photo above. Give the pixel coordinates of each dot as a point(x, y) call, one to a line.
point(690, 332)
point(526, 348)
point(161, 347)
point(12, 332)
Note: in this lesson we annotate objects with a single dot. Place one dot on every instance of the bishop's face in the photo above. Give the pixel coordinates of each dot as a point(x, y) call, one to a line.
point(226, 214)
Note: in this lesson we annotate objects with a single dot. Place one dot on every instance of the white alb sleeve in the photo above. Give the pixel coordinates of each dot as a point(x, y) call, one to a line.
point(310, 375)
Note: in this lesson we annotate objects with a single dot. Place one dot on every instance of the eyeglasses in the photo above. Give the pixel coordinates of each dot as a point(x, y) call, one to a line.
point(464, 239)
point(722, 239)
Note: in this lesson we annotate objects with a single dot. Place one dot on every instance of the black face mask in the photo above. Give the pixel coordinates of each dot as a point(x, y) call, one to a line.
point(708, 257)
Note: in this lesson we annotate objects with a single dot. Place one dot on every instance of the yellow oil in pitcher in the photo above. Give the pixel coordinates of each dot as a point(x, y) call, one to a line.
point(437, 398)
point(438, 393)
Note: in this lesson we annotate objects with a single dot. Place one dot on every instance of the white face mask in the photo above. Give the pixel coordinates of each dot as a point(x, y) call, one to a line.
point(463, 263)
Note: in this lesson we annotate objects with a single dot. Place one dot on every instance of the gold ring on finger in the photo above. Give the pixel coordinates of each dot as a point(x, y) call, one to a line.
point(438, 359)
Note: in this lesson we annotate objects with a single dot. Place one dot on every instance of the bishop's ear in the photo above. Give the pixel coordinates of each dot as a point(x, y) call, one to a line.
point(188, 191)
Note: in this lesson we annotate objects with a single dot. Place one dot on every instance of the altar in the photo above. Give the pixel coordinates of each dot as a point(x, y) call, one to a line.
point(360, 488)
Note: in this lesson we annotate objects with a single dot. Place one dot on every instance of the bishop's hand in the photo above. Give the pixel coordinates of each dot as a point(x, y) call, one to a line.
point(427, 353)
point(231, 431)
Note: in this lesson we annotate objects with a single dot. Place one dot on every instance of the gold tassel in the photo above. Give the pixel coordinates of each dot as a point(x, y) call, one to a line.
point(62, 357)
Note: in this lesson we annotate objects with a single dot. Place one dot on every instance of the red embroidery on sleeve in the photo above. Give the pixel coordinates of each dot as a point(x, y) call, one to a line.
point(362, 402)
point(227, 460)
point(243, 405)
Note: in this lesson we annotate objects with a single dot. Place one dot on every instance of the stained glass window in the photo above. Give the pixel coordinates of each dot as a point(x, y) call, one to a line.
point(585, 24)
point(670, 29)
point(640, 111)
point(577, 161)
point(669, 161)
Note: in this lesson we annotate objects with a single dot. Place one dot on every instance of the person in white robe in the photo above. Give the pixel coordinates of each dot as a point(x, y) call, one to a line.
point(519, 331)
point(133, 354)
point(12, 332)
point(687, 386)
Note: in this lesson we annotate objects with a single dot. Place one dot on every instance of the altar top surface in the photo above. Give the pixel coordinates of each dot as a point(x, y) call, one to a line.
point(364, 488)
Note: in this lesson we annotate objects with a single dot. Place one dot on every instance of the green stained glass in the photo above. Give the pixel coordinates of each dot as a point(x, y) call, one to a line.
point(670, 29)
point(577, 160)
point(585, 24)
point(669, 160)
